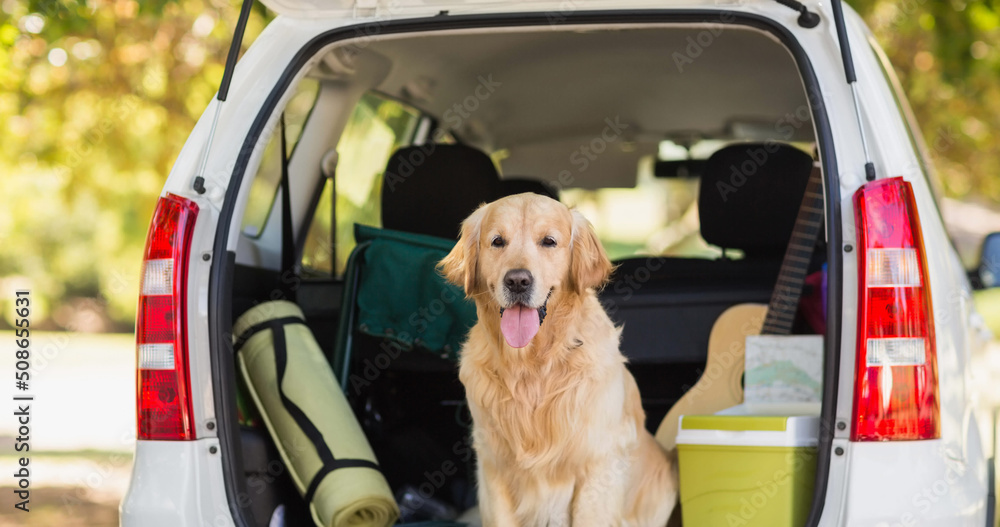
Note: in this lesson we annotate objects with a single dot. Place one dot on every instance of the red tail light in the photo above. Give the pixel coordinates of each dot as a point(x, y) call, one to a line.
point(895, 382)
point(163, 384)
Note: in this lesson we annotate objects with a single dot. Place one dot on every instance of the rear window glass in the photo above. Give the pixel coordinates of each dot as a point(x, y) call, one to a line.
point(265, 183)
point(377, 127)
point(659, 216)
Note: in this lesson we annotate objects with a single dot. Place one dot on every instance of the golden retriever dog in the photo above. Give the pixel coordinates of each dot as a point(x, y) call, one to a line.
point(558, 424)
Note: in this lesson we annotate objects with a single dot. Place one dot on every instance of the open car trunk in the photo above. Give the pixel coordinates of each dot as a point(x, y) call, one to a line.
point(688, 145)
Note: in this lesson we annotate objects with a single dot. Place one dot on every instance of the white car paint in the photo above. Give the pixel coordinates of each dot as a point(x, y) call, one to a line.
point(176, 483)
point(870, 484)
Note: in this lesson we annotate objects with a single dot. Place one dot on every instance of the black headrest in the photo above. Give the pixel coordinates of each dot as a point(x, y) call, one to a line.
point(750, 195)
point(509, 187)
point(430, 189)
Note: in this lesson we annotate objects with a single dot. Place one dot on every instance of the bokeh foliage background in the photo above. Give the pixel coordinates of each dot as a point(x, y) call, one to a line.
point(98, 96)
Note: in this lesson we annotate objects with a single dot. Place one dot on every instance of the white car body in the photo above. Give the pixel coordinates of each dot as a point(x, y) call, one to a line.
point(941, 482)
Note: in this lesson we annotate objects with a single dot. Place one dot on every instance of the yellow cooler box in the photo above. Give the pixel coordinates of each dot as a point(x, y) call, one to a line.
point(746, 470)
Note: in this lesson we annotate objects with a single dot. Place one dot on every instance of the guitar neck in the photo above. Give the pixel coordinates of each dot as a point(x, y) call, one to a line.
point(795, 265)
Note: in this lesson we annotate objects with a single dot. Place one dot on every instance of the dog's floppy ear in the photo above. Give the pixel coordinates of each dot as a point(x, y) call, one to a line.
point(590, 266)
point(460, 266)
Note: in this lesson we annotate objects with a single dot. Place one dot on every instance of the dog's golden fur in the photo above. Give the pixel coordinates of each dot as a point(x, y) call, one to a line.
point(558, 424)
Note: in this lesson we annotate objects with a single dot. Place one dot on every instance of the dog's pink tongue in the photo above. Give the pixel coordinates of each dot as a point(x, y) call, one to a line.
point(519, 325)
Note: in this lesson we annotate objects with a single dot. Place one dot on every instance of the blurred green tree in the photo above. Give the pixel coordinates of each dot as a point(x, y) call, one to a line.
point(947, 58)
point(98, 97)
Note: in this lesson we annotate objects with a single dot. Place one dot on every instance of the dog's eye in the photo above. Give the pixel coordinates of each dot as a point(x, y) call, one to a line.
point(498, 241)
point(548, 241)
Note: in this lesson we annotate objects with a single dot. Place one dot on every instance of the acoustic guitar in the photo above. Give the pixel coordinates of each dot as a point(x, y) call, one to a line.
point(721, 383)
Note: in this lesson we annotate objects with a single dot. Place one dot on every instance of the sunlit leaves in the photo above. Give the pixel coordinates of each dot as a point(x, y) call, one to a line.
point(97, 97)
point(947, 57)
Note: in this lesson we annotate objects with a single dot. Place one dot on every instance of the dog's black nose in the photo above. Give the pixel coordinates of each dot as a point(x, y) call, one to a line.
point(517, 280)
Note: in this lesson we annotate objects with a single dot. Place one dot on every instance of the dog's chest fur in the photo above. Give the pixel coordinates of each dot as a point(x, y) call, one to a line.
point(536, 415)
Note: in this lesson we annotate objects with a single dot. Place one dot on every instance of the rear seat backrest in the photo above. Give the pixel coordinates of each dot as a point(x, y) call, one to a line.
point(430, 189)
point(749, 197)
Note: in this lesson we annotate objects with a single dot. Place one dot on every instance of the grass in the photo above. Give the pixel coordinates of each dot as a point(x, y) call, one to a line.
point(69, 489)
point(57, 506)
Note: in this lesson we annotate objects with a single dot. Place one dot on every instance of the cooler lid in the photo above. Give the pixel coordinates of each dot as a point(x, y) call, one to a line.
point(749, 430)
point(735, 423)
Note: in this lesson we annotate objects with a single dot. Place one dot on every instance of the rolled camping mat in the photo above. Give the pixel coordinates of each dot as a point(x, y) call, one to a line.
point(305, 411)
